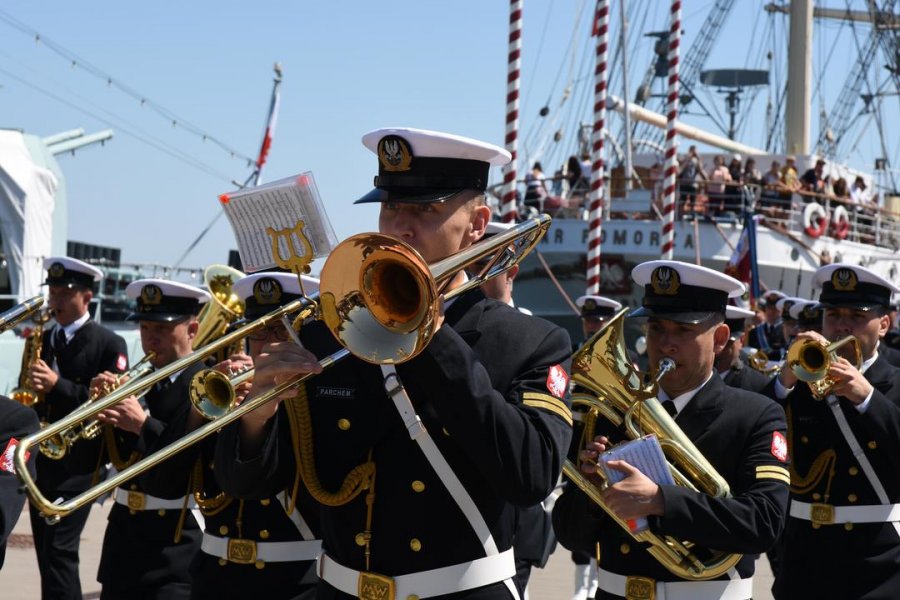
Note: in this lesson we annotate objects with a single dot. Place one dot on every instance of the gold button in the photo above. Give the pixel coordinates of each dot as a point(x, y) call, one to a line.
point(418, 486)
point(848, 526)
point(624, 548)
point(804, 439)
point(260, 564)
point(853, 470)
point(816, 525)
point(133, 486)
point(360, 539)
point(343, 424)
point(872, 445)
point(212, 465)
point(412, 597)
point(852, 498)
point(264, 534)
point(222, 562)
point(415, 545)
point(817, 496)
point(161, 512)
point(265, 501)
point(444, 429)
point(223, 530)
point(132, 512)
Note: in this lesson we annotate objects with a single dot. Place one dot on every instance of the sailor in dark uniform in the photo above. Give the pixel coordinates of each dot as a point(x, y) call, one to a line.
point(16, 421)
point(788, 322)
point(767, 336)
point(418, 489)
point(267, 543)
point(595, 311)
point(889, 343)
point(729, 365)
point(740, 433)
point(149, 540)
point(809, 316)
point(73, 352)
point(843, 535)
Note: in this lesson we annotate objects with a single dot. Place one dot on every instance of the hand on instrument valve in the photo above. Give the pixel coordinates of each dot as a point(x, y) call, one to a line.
point(633, 497)
point(43, 378)
point(850, 383)
point(786, 376)
point(233, 365)
point(105, 382)
point(127, 415)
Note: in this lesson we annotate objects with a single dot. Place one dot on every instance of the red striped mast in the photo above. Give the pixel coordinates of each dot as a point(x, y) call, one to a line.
point(671, 146)
point(508, 207)
point(595, 211)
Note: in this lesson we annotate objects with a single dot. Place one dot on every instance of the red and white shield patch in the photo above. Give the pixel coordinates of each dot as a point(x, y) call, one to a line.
point(6, 460)
point(557, 381)
point(779, 446)
point(121, 362)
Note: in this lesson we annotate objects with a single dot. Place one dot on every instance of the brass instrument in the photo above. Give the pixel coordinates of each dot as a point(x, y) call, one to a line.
point(810, 359)
point(56, 447)
point(377, 294)
point(625, 397)
point(25, 393)
point(223, 309)
point(212, 392)
point(20, 312)
point(759, 361)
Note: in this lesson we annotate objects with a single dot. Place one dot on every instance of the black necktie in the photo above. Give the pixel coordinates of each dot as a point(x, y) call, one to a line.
point(60, 339)
point(670, 408)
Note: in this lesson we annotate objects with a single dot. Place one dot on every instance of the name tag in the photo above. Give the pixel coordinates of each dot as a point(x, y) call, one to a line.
point(340, 393)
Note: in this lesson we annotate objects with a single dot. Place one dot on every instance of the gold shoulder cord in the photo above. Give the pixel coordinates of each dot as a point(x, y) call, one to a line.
point(802, 484)
point(208, 506)
point(114, 457)
point(357, 480)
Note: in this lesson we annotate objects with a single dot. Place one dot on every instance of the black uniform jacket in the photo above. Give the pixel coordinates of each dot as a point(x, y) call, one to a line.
point(834, 561)
point(16, 421)
point(746, 378)
point(139, 549)
point(92, 350)
point(491, 391)
point(772, 343)
point(260, 520)
point(891, 355)
point(735, 430)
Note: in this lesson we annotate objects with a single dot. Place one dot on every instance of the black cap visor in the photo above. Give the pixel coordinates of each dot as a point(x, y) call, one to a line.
point(408, 195)
point(158, 317)
point(689, 317)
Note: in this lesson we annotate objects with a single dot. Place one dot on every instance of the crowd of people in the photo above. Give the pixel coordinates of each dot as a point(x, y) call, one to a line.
point(440, 476)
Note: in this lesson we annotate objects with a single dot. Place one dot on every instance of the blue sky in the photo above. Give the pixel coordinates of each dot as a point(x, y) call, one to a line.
point(349, 67)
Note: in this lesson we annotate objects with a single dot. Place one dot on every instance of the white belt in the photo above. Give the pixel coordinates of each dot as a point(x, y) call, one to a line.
point(826, 514)
point(644, 587)
point(248, 552)
point(135, 500)
point(424, 584)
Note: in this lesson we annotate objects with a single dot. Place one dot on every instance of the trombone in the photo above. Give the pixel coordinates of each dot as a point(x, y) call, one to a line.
point(20, 312)
point(377, 295)
point(810, 359)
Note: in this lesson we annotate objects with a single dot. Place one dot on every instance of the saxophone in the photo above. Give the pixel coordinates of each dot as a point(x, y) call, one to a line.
point(25, 393)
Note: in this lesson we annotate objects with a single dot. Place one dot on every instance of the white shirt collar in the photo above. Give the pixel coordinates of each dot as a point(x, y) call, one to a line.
point(868, 363)
point(75, 325)
point(682, 400)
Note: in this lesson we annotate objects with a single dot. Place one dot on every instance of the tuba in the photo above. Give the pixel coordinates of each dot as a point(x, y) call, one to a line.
point(810, 360)
point(223, 309)
point(626, 398)
point(25, 393)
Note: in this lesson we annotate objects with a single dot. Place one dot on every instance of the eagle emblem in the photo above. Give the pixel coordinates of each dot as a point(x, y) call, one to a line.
point(665, 281)
point(590, 304)
point(267, 291)
point(151, 295)
point(844, 280)
point(394, 153)
point(56, 270)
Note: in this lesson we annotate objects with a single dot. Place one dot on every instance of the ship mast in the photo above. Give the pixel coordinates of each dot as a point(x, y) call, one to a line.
point(796, 123)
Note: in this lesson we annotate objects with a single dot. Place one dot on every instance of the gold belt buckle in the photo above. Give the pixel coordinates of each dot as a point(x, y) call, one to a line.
point(242, 552)
point(372, 586)
point(136, 500)
point(821, 514)
point(640, 588)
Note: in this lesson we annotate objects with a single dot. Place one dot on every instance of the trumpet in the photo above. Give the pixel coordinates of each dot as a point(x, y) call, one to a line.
point(212, 392)
point(378, 296)
point(620, 394)
point(759, 361)
point(20, 312)
point(810, 360)
point(58, 445)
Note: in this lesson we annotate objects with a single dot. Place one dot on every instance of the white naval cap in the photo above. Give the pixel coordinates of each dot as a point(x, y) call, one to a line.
point(597, 306)
point(69, 272)
point(797, 308)
point(164, 300)
point(772, 296)
point(736, 319)
point(421, 166)
point(265, 291)
point(853, 287)
point(784, 305)
point(683, 292)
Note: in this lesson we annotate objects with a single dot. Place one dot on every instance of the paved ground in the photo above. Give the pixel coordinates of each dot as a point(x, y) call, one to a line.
point(19, 577)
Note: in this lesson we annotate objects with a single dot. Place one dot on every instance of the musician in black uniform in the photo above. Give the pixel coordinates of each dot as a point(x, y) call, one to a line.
point(843, 536)
point(788, 323)
point(734, 371)
point(150, 541)
point(740, 433)
point(248, 545)
point(418, 489)
point(809, 316)
point(16, 421)
point(888, 345)
point(767, 336)
point(73, 351)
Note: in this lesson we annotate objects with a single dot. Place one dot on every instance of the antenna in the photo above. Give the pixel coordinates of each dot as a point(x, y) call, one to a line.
point(732, 83)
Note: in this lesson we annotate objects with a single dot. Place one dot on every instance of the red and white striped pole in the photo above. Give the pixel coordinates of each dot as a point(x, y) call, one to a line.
point(595, 211)
point(671, 147)
point(508, 208)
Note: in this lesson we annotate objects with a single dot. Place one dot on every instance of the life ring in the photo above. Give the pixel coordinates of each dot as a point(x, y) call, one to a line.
point(815, 220)
point(840, 223)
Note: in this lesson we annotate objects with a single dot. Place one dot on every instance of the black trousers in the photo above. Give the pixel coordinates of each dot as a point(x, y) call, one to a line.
point(57, 553)
point(169, 591)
